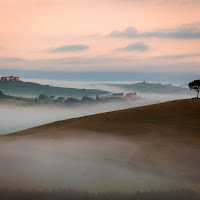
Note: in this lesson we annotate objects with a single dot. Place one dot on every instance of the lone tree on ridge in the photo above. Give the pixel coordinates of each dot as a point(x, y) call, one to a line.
point(195, 85)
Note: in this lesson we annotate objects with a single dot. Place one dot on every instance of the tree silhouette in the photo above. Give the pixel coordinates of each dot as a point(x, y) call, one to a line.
point(43, 97)
point(72, 100)
point(195, 85)
point(87, 100)
point(2, 94)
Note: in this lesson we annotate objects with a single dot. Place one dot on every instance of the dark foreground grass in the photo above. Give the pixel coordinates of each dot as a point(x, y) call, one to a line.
point(61, 194)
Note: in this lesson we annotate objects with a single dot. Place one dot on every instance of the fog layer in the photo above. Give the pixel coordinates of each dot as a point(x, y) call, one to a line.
point(95, 163)
point(15, 118)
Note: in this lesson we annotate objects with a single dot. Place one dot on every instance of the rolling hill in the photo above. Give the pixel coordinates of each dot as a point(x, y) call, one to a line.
point(35, 89)
point(175, 118)
point(144, 87)
point(160, 140)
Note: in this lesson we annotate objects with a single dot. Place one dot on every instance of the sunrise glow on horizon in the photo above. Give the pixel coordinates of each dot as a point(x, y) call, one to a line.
point(130, 35)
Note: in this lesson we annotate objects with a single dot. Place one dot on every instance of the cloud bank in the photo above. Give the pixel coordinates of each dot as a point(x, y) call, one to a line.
point(174, 63)
point(187, 31)
point(177, 56)
point(69, 48)
point(138, 46)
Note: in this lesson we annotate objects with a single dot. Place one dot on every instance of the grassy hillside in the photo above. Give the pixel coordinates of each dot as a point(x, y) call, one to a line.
point(28, 88)
point(151, 88)
point(164, 119)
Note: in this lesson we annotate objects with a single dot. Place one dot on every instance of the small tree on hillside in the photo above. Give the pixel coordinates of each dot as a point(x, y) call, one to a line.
point(60, 99)
point(43, 97)
point(72, 100)
point(195, 85)
point(87, 100)
point(97, 98)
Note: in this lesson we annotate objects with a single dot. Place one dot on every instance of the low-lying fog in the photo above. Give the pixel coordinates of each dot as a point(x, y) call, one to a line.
point(89, 84)
point(93, 164)
point(15, 118)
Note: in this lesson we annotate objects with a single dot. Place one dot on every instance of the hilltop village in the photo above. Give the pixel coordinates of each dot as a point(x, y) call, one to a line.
point(47, 97)
point(56, 98)
point(9, 78)
point(120, 95)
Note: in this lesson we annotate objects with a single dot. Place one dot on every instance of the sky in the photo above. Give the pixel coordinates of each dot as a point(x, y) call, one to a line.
point(151, 36)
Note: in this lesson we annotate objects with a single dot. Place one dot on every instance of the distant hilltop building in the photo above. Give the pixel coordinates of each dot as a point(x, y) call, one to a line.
point(120, 95)
point(103, 97)
point(131, 95)
point(9, 78)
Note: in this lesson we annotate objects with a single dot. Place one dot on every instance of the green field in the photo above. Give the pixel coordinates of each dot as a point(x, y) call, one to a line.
point(35, 89)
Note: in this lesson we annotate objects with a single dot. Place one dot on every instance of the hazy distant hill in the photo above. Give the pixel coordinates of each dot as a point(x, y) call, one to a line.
point(29, 88)
point(149, 88)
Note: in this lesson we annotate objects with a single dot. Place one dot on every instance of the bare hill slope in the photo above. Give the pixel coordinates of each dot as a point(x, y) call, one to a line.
point(158, 144)
point(175, 118)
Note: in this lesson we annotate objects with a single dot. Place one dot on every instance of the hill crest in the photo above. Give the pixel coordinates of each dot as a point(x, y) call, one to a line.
point(167, 118)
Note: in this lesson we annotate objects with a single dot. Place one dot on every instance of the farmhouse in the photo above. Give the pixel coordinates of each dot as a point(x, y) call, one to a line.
point(9, 78)
point(62, 99)
point(103, 97)
point(131, 95)
point(120, 95)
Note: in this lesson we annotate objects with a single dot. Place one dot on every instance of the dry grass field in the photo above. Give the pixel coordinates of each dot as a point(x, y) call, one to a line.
point(179, 118)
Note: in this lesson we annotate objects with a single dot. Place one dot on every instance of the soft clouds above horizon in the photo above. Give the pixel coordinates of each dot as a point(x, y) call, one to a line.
point(69, 48)
point(186, 31)
point(138, 46)
point(104, 63)
point(97, 35)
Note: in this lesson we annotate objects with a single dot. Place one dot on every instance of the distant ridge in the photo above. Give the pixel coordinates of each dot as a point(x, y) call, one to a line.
point(29, 88)
point(146, 87)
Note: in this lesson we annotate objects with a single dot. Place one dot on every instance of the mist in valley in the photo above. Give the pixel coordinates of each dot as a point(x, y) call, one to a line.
point(89, 162)
point(99, 100)
point(93, 163)
point(92, 84)
point(16, 118)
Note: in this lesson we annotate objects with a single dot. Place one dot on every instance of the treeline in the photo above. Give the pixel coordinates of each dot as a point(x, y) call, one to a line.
point(44, 99)
point(71, 100)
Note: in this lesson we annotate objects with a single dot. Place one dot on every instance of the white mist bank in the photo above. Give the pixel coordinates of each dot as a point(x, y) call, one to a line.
point(112, 88)
point(94, 85)
point(88, 84)
point(93, 164)
point(16, 118)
